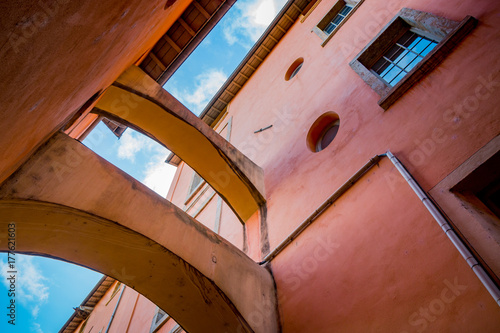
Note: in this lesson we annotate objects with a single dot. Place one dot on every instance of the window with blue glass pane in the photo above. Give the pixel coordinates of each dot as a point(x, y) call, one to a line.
point(408, 51)
point(337, 19)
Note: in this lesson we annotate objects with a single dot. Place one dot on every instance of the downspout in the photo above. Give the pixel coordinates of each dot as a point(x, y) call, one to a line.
point(448, 230)
point(485, 279)
point(114, 310)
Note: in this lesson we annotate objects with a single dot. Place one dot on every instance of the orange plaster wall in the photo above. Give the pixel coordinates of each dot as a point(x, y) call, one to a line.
point(230, 227)
point(385, 268)
point(134, 314)
point(185, 176)
point(72, 47)
point(141, 319)
point(99, 318)
point(142, 316)
point(376, 260)
point(207, 215)
point(297, 180)
point(124, 312)
point(392, 259)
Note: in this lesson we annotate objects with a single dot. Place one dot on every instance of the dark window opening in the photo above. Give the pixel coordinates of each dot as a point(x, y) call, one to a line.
point(334, 23)
point(484, 184)
point(402, 57)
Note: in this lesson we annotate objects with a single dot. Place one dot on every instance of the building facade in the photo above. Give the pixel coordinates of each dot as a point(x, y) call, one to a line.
point(344, 179)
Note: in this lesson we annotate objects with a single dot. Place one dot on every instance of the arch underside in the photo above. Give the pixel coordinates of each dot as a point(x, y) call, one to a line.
point(69, 203)
point(142, 264)
point(139, 102)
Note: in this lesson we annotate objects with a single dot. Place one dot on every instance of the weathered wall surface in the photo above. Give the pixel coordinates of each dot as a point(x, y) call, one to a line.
point(376, 260)
point(57, 54)
point(119, 227)
point(327, 83)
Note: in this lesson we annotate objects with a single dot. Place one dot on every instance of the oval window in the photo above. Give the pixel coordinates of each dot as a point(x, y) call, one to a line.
point(323, 131)
point(294, 69)
point(327, 136)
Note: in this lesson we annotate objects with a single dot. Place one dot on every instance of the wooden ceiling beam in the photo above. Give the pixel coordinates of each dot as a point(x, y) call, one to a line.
point(186, 26)
point(157, 61)
point(172, 43)
point(201, 9)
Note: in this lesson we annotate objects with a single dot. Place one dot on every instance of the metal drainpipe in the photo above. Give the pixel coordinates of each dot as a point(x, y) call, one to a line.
point(428, 203)
point(448, 230)
point(114, 310)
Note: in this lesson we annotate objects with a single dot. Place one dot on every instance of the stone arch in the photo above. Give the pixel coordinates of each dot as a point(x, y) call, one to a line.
point(138, 101)
point(69, 203)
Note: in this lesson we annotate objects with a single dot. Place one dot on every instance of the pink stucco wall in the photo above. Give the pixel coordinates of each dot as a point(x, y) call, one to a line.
point(375, 261)
point(389, 260)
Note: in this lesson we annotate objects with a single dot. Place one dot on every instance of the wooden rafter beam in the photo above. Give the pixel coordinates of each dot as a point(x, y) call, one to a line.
point(157, 61)
point(186, 26)
point(172, 43)
point(201, 9)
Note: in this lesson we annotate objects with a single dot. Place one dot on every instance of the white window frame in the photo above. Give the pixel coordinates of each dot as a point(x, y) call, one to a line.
point(155, 326)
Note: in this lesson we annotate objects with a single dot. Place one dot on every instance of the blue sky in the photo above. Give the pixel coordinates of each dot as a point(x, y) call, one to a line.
point(48, 289)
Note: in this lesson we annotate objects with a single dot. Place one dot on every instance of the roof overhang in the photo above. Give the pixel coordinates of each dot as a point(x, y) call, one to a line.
point(90, 301)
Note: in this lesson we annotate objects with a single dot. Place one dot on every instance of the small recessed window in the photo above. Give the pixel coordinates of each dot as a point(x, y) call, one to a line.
point(327, 136)
point(294, 69)
point(406, 52)
point(406, 49)
point(335, 18)
point(159, 319)
point(323, 131)
point(334, 23)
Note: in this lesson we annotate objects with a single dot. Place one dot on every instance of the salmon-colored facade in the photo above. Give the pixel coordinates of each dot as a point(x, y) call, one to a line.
point(335, 200)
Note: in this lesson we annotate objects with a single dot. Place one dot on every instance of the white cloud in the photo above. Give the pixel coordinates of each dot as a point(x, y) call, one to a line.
point(250, 20)
point(131, 143)
point(159, 175)
point(35, 310)
point(205, 87)
point(36, 328)
point(31, 289)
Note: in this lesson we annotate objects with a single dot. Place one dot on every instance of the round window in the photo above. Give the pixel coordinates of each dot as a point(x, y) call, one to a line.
point(323, 131)
point(294, 69)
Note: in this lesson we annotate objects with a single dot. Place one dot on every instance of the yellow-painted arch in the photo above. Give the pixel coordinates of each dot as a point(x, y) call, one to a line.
point(194, 301)
point(72, 204)
point(138, 101)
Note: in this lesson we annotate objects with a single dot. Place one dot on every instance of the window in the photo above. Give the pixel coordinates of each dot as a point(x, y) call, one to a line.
point(405, 54)
point(334, 19)
point(176, 329)
point(469, 196)
point(482, 188)
point(334, 23)
point(294, 69)
point(490, 196)
point(115, 291)
point(327, 136)
point(410, 46)
point(323, 131)
point(159, 319)
point(196, 184)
